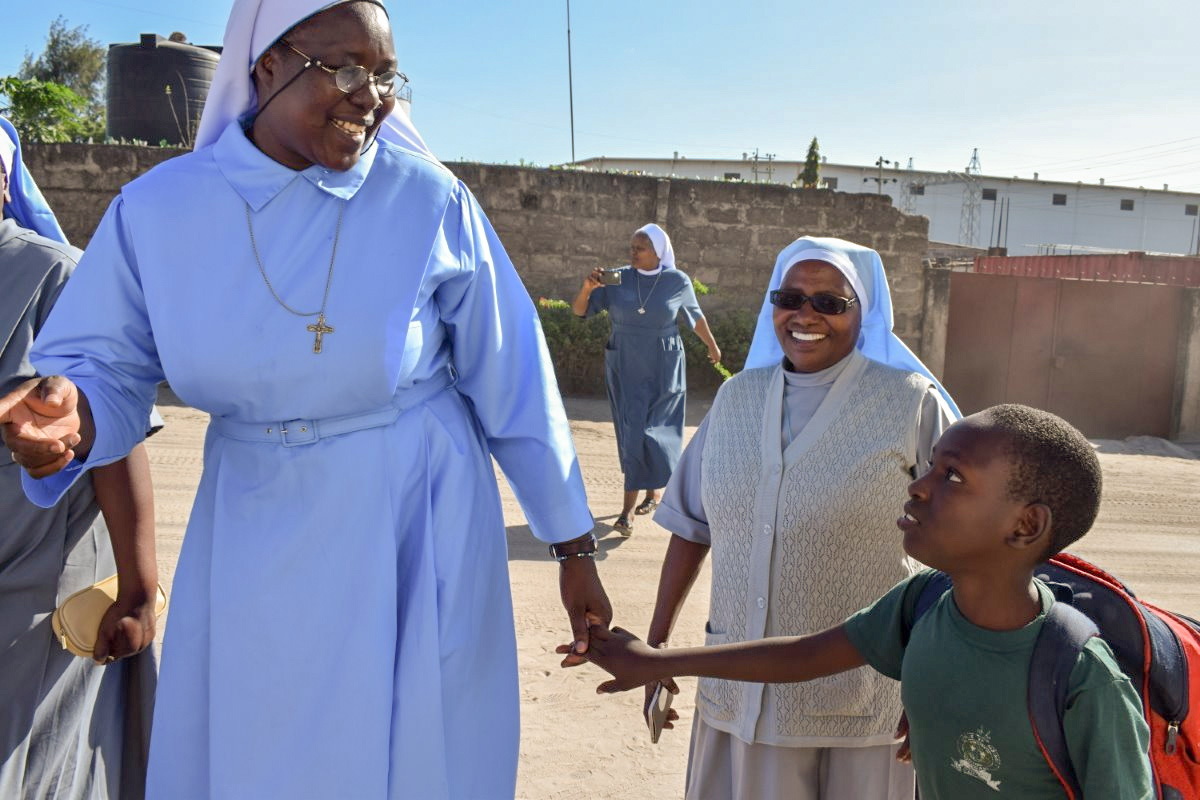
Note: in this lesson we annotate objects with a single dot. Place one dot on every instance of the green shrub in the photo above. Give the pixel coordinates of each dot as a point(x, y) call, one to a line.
point(733, 331)
point(577, 347)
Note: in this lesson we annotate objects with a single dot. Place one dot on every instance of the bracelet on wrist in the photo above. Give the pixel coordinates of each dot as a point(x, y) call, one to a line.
point(584, 547)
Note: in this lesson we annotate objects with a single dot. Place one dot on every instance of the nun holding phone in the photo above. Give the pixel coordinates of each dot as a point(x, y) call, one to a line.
point(644, 362)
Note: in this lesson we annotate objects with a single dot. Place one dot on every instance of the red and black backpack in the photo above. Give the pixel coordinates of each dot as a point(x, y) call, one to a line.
point(1158, 650)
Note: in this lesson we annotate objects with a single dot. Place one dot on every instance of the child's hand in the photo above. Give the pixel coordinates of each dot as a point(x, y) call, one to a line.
point(904, 752)
point(630, 660)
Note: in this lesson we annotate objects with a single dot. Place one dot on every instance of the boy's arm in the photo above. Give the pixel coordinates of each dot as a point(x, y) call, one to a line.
point(782, 659)
point(126, 499)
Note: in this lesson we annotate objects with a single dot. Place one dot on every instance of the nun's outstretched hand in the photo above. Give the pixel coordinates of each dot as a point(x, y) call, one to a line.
point(586, 602)
point(630, 661)
point(46, 423)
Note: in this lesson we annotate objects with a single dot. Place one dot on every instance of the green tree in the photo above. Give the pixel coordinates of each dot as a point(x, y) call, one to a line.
point(76, 61)
point(43, 111)
point(810, 176)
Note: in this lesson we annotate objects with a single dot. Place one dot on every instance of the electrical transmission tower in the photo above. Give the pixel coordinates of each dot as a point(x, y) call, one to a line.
point(974, 168)
point(968, 224)
point(972, 198)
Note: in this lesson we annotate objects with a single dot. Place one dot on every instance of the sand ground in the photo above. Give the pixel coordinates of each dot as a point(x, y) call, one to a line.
point(576, 743)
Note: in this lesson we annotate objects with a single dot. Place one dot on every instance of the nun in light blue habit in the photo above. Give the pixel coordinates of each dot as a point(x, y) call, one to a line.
point(73, 729)
point(341, 620)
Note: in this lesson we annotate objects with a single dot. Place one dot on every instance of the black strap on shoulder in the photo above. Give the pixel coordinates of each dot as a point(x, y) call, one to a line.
point(937, 585)
point(1061, 640)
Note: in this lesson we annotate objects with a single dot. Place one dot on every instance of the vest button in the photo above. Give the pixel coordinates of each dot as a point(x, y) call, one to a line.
point(762, 603)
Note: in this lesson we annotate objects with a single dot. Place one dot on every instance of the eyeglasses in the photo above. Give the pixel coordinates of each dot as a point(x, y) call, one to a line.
point(822, 302)
point(351, 78)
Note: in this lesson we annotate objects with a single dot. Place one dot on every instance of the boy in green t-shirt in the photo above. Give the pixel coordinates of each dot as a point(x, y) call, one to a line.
point(1007, 488)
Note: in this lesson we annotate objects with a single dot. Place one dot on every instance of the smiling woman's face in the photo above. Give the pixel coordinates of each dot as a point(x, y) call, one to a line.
point(641, 253)
point(311, 121)
point(812, 342)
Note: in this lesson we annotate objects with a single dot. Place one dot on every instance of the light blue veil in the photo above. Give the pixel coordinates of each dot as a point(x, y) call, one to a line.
point(876, 339)
point(27, 205)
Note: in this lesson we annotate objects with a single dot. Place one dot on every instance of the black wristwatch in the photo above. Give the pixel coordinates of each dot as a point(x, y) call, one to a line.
point(576, 548)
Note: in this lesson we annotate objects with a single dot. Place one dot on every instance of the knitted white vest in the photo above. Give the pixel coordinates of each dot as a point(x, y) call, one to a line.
point(813, 535)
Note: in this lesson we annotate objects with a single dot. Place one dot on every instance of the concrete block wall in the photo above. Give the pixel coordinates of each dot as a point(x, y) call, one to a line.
point(559, 224)
point(80, 180)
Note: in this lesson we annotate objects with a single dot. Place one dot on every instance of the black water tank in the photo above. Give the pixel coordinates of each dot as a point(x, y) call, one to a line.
point(156, 89)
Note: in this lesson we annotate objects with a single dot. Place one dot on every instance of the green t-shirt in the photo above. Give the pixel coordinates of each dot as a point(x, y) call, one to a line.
point(965, 692)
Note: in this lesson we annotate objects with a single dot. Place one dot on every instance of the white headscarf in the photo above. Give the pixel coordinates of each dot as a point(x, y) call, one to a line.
point(8, 148)
point(841, 262)
point(863, 268)
point(253, 26)
point(662, 244)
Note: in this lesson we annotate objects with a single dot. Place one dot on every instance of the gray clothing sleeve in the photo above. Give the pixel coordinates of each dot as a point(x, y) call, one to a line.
point(933, 417)
point(682, 509)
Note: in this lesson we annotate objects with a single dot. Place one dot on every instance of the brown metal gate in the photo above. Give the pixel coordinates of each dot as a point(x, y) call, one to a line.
point(1102, 355)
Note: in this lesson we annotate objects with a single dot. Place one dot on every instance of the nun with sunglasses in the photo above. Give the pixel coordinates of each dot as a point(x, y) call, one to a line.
point(793, 482)
point(314, 279)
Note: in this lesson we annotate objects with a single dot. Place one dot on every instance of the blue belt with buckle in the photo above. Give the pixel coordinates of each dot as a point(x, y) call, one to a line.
point(296, 432)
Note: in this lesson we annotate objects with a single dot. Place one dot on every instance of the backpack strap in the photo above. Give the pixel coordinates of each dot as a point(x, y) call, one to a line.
point(1059, 644)
point(937, 585)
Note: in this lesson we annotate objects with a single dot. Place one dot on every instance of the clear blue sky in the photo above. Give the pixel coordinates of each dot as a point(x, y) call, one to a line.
point(1073, 90)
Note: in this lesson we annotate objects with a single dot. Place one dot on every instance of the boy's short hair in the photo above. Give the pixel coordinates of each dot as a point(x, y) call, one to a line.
point(1052, 463)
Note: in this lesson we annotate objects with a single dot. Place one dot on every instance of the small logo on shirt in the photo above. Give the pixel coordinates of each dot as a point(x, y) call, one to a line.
point(979, 758)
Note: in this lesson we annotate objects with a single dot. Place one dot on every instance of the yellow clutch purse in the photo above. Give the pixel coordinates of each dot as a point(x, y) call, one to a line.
point(77, 621)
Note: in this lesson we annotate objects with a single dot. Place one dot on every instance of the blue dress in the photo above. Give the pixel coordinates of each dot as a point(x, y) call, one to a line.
point(341, 620)
point(645, 370)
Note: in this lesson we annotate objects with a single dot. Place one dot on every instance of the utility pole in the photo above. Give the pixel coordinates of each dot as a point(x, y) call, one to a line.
point(570, 82)
point(879, 181)
point(769, 169)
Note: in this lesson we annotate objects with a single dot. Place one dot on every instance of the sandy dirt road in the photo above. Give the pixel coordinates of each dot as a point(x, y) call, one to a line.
point(578, 744)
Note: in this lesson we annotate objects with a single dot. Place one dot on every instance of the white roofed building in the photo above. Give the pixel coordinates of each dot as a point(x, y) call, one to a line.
point(1028, 216)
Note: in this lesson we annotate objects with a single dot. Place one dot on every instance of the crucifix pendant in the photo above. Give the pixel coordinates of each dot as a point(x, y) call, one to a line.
point(319, 329)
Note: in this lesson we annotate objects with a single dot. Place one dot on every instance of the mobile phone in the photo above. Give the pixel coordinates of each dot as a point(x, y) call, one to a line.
point(610, 277)
point(656, 714)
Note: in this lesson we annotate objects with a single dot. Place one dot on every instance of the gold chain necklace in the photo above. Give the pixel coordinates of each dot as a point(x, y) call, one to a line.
point(318, 328)
point(641, 302)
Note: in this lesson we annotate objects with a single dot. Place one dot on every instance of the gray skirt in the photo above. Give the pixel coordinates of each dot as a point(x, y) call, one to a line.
point(723, 767)
point(71, 729)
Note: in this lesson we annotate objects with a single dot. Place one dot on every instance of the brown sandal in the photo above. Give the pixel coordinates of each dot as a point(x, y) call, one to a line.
point(623, 526)
point(647, 506)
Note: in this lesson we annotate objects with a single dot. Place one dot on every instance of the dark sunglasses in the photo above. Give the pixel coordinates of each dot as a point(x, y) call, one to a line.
point(822, 302)
point(351, 78)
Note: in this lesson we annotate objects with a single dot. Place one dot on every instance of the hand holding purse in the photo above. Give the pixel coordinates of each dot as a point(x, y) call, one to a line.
point(76, 622)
